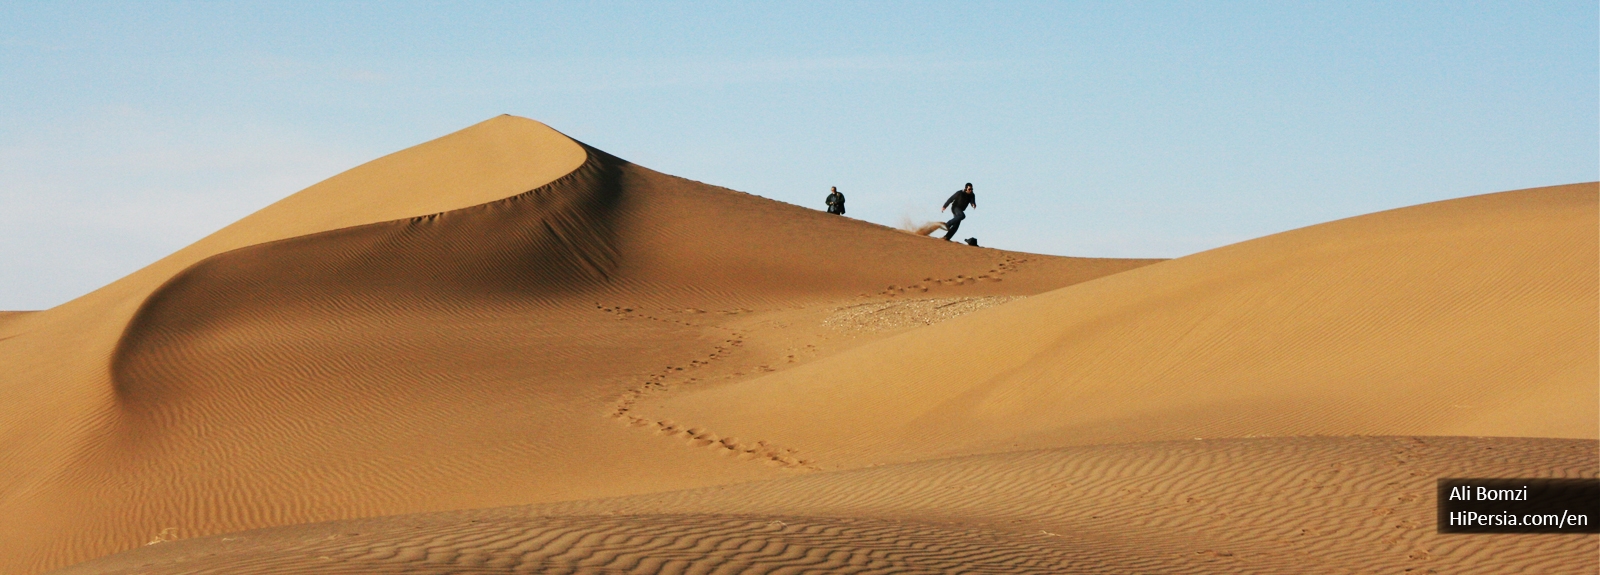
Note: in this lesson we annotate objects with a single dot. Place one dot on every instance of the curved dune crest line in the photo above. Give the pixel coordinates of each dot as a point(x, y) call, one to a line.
point(1474, 316)
point(285, 372)
point(493, 160)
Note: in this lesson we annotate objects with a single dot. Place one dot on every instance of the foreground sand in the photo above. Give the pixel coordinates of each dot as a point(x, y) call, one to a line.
point(507, 317)
point(1274, 505)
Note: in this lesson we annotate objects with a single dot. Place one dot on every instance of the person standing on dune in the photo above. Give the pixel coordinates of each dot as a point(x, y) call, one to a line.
point(836, 202)
point(958, 205)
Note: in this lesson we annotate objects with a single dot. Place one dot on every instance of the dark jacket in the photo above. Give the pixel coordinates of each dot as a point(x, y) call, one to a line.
point(961, 200)
point(836, 203)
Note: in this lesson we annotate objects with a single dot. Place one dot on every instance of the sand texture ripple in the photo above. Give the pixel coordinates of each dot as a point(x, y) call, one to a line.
point(1276, 505)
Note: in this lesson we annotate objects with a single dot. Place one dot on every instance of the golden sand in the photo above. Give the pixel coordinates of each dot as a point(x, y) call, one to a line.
point(504, 351)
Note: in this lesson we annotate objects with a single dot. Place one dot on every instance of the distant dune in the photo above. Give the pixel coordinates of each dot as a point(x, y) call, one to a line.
point(1467, 317)
point(506, 351)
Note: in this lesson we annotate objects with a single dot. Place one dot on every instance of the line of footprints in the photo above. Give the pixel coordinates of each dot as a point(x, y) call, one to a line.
point(765, 452)
point(658, 381)
point(1006, 264)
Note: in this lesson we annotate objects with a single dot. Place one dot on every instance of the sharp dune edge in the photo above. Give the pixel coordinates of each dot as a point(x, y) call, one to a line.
point(505, 351)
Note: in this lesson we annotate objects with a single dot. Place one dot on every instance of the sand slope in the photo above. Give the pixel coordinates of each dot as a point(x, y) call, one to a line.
point(467, 323)
point(1474, 316)
point(1273, 505)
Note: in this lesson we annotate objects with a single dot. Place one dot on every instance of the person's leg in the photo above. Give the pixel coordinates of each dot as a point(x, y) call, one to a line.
point(954, 224)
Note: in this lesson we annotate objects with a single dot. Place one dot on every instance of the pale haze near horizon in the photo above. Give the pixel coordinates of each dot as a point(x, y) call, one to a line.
point(128, 132)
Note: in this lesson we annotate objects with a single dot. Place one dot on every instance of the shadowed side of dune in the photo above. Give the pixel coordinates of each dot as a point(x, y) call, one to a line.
point(1276, 505)
point(1474, 316)
point(550, 242)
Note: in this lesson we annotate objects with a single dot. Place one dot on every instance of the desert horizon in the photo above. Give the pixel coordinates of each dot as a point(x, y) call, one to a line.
point(506, 351)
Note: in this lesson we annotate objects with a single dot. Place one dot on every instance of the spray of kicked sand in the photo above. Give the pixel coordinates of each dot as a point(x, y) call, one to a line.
point(928, 228)
point(923, 229)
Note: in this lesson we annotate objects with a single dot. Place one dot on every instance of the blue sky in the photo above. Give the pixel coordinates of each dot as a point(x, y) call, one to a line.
point(1144, 129)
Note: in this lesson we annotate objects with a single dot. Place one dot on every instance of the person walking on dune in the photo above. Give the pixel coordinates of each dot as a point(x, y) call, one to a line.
point(836, 202)
point(958, 205)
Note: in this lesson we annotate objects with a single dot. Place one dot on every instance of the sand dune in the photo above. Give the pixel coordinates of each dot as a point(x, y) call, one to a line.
point(507, 351)
point(1274, 505)
point(60, 398)
point(467, 323)
point(1466, 317)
